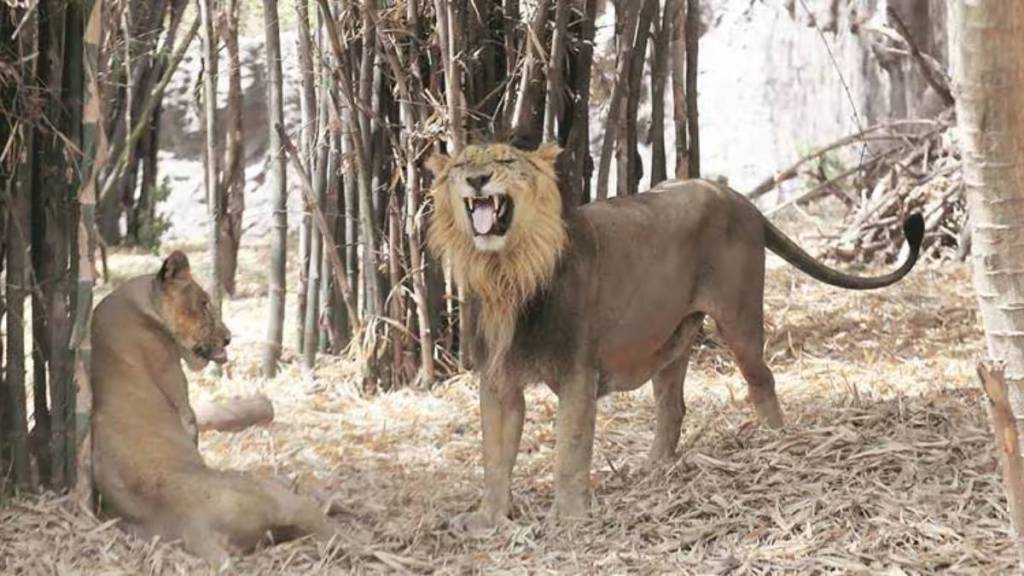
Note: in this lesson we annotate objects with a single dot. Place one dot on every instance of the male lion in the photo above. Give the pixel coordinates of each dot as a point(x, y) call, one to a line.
point(147, 467)
point(601, 298)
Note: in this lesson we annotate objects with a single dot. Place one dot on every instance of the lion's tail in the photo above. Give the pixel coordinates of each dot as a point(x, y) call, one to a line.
point(779, 243)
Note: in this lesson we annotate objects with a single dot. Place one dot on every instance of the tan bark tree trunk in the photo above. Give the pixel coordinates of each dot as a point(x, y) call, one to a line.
point(279, 195)
point(213, 195)
point(987, 56)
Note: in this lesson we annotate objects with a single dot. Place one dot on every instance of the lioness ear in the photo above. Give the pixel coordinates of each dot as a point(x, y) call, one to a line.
point(548, 152)
point(175, 267)
point(437, 163)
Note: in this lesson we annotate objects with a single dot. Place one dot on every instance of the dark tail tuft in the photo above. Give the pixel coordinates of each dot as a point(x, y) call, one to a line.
point(913, 230)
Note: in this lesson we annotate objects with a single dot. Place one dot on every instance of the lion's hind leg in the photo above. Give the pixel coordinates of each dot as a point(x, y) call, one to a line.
point(743, 332)
point(668, 394)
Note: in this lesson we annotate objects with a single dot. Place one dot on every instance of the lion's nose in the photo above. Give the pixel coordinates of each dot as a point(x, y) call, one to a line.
point(227, 336)
point(478, 182)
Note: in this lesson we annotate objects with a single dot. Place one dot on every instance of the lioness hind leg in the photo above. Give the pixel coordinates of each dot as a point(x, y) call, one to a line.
point(200, 539)
point(668, 395)
point(745, 337)
point(296, 516)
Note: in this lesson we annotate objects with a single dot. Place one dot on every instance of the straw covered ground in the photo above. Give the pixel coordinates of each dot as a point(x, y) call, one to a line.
point(886, 465)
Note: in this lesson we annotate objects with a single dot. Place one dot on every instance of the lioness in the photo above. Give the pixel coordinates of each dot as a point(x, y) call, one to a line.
point(146, 464)
point(601, 298)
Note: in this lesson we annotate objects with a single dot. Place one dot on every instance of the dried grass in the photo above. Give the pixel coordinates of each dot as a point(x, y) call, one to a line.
point(886, 465)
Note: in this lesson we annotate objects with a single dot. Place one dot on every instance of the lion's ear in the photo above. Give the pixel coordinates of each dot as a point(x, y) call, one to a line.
point(437, 163)
point(547, 153)
point(175, 268)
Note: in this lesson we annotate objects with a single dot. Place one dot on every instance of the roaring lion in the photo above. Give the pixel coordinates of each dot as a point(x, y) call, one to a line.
point(601, 298)
point(147, 467)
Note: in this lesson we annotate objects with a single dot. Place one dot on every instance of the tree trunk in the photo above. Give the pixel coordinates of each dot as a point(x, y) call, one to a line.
point(18, 229)
point(233, 187)
point(659, 78)
point(307, 145)
point(556, 71)
point(987, 54)
point(575, 164)
point(529, 111)
point(692, 35)
point(629, 179)
point(212, 180)
point(53, 219)
point(677, 47)
point(628, 12)
point(331, 305)
point(8, 93)
point(141, 28)
point(279, 194)
point(94, 157)
point(311, 321)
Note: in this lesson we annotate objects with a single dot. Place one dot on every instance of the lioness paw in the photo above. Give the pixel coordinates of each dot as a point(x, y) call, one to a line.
point(475, 524)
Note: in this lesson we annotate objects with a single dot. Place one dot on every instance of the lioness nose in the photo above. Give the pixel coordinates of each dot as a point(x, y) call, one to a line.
point(227, 336)
point(478, 182)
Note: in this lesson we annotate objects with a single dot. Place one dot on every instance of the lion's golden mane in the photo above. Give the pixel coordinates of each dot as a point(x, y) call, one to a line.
point(504, 280)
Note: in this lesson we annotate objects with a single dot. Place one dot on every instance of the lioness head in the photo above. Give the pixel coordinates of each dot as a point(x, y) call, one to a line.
point(498, 220)
point(187, 312)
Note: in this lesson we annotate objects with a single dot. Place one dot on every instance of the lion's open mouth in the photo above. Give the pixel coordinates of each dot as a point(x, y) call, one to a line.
point(219, 355)
point(490, 215)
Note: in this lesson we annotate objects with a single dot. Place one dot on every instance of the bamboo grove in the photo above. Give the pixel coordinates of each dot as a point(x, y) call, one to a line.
point(383, 84)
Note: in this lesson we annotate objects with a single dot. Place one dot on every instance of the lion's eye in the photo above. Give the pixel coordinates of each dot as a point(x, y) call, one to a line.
point(507, 161)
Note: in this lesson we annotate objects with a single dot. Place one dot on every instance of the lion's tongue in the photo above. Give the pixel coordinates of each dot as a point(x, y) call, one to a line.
point(483, 217)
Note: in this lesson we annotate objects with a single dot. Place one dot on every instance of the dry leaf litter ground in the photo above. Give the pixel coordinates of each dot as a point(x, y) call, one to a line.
point(886, 465)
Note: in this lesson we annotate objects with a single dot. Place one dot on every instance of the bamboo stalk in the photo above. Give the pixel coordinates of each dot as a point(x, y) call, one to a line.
point(121, 153)
point(664, 31)
point(16, 291)
point(95, 156)
point(337, 266)
point(692, 37)
point(307, 145)
point(630, 16)
point(279, 194)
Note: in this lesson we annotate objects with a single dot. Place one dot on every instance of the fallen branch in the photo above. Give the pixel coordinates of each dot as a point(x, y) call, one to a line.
point(818, 190)
point(866, 135)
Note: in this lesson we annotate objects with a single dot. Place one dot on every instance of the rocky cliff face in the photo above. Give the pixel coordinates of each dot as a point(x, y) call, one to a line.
point(775, 81)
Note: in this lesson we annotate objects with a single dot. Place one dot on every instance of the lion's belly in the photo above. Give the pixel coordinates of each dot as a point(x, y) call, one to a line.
point(627, 364)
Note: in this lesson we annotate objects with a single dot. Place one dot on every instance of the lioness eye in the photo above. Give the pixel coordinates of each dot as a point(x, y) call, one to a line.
point(507, 161)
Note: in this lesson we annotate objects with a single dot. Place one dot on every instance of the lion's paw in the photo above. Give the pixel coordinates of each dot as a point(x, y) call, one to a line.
point(476, 523)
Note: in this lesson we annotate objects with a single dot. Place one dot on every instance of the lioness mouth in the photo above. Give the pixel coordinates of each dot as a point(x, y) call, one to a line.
point(491, 215)
point(220, 356)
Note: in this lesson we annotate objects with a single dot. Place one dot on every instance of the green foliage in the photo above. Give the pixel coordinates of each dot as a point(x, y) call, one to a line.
point(152, 225)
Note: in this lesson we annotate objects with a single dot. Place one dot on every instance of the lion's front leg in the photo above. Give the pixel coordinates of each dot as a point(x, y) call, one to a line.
point(502, 409)
point(189, 423)
point(577, 411)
